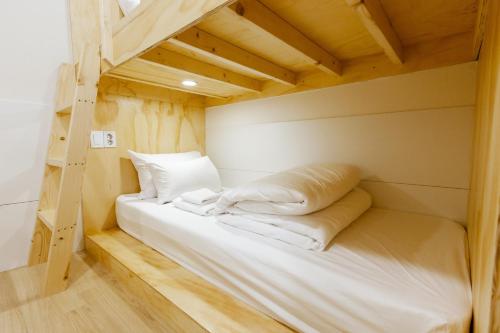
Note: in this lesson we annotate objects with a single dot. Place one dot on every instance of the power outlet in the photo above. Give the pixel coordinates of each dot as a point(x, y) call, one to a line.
point(103, 139)
point(109, 139)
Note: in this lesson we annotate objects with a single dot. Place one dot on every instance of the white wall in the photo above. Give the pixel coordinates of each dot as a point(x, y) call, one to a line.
point(35, 40)
point(411, 135)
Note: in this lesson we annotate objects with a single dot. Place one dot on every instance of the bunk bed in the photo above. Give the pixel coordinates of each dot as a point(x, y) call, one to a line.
point(262, 54)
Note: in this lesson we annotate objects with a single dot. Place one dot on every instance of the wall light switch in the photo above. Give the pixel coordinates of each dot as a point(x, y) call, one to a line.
point(97, 139)
point(109, 139)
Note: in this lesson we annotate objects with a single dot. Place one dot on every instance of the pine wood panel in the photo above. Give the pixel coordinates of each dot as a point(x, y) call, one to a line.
point(330, 23)
point(485, 185)
point(69, 197)
point(212, 46)
point(85, 24)
point(141, 70)
point(158, 21)
point(189, 67)
point(378, 25)
point(65, 87)
point(198, 305)
point(438, 53)
point(264, 18)
point(94, 302)
point(39, 244)
point(418, 21)
point(145, 120)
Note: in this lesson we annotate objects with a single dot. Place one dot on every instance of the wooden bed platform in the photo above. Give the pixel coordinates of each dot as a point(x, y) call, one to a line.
point(187, 302)
point(236, 51)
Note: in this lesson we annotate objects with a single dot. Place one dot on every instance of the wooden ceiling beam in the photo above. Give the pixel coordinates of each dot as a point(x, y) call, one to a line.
point(377, 23)
point(155, 21)
point(202, 42)
point(446, 51)
point(264, 18)
point(149, 73)
point(194, 68)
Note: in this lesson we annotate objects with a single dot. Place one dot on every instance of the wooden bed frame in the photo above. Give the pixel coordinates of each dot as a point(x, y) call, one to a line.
point(145, 55)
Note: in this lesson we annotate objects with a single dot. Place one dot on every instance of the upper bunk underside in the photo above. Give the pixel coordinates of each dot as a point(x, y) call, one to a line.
point(235, 50)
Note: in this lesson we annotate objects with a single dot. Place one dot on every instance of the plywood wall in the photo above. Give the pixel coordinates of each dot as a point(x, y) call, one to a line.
point(410, 134)
point(146, 119)
point(485, 187)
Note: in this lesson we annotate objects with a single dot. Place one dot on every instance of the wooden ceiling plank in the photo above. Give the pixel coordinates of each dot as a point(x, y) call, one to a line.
point(191, 66)
point(446, 51)
point(377, 23)
point(264, 18)
point(158, 21)
point(202, 42)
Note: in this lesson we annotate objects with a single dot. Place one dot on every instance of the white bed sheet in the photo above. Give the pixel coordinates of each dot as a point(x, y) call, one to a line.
point(388, 272)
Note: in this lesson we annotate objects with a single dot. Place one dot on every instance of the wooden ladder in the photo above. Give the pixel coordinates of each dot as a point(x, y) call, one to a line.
point(60, 196)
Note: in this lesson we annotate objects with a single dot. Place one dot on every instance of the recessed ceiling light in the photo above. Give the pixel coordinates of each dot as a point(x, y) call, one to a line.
point(189, 83)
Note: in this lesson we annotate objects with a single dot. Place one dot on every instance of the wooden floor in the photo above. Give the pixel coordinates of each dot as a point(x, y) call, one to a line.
point(94, 302)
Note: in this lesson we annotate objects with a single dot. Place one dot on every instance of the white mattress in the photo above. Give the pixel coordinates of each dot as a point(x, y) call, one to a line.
point(388, 272)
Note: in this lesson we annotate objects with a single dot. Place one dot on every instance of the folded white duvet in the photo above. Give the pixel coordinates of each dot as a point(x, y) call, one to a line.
point(202, 210)
point(310, 232)
point(297, 191)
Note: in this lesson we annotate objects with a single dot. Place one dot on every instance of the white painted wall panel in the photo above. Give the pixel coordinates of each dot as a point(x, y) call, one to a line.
point(35, 41)
point(433, 89)
point(429, 200)
point(23, 143)
point(16, 226)
point(410, 134)
point(419, 147)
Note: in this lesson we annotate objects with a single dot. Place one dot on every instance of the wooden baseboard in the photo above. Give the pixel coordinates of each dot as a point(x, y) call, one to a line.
point(185, 301)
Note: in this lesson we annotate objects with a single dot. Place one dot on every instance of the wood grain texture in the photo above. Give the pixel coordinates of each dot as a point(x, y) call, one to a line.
point(94, 302)
point(438, 53)
point(196, 304)
point(85, 23)
point(158, 21)
point(377, 23)
point(154, 73)
point(189, 66)
point(65, 90)
point(209, 45)
point(66, 211)
point(485, 185)
point(265, 19)
point(330, 23)
point(145, 120)
point(40, 242)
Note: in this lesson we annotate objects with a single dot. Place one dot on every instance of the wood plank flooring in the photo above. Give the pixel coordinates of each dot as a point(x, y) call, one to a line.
point(94, 302)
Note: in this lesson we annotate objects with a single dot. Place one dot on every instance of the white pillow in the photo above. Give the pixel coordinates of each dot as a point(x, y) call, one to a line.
point(173, 179)
point(140, 162)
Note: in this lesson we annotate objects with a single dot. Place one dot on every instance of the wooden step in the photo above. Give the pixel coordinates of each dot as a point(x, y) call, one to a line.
point(47, 216)
point(64, 109)
point(57, 162)
point(65, 89)
point(192, 301)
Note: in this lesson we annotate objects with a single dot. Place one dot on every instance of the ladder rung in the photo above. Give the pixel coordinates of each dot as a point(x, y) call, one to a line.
point(47, 217)
point(55, 162)
point(64, 109)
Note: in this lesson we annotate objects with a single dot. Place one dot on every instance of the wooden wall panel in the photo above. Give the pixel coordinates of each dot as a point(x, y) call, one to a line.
point(410, 134)
point(145, 120)
point(485, 186)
